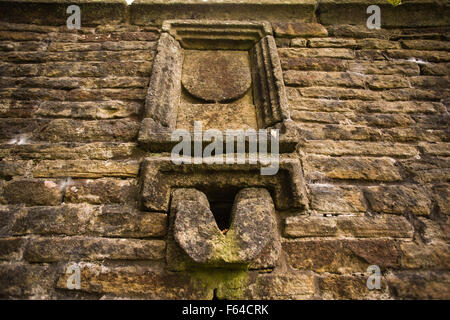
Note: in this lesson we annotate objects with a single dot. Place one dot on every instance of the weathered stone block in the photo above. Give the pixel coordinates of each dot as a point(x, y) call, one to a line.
point(11, 249)
point(435, 255)
point(137, 281)
point(278, 286)
point(350, 287)
point(63, 249)
point(306, 30)
point(342, 256)
point(419, 284)
point(9, 169)
point(86, 169)
point(351, 168)
point(336, 199)
point(342, 148)
point(21, 280)
point(102, 191)
point(348, 226)
point(398, 199)
point(32, 192)
point(430, 169)
point(106, 220)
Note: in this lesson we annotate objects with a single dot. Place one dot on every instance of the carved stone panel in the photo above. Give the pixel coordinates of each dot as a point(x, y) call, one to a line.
point(226, 74)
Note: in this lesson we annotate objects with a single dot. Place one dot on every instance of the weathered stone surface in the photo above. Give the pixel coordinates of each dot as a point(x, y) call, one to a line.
point(430, 169)
point(32, 192)
point(320, 78)
point(348, 226)
point(9, 169)
point(409, 14)
point(341, 106)
point(86, 169)
point(336, 199)
point(435, 69)
point(355, 31)
point(382, 67)
point(11, 249)
point(216, 76)
point(7, 217)
point(86, 131)
point(342, 256)
point(281, 286)
point(196, 231)
point(435, 255)
point(291, 53)
point(291, 30)
point(91, 110)
point(149, 12)
point(107, 220)
point(22, 280)
point(367, 117)
point(419, 284)
point(441, 194)
point(63, 249)
point(73, 151)
point(341, 148)
point(351, 168)
point(398, 199)
point(102, 191)
point(311, 63)
point(437, 149)
point(232, 116)
point(370, 43)
point(350, 287)
point(142, 281)
point(433, 231)
point(165, 83)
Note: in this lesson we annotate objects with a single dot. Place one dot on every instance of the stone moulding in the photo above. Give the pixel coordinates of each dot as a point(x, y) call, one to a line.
point(159, 176)
point(163, 97)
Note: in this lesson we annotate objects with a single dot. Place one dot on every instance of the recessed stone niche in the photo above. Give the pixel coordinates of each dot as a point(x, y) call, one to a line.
point(226, 74)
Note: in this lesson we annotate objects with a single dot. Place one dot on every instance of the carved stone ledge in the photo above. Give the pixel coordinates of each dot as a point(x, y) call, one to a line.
point(159, 176)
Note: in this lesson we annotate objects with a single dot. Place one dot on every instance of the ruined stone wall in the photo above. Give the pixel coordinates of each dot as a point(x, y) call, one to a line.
point(370, 113)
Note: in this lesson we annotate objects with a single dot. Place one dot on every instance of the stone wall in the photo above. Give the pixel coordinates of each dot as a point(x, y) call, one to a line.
point(370, 109)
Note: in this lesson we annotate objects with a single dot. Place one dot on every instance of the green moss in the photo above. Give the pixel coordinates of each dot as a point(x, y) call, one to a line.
point(229, 284)
point(395, 2)
point(225, 248)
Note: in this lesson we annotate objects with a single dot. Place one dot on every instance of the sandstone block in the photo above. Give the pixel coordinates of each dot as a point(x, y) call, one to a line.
point(351, 168)
point(62, 249)
point(399, 199)
point(86, 168)
point(342, 256)
point(291, 30)
point(32, 192)
point(348, 226)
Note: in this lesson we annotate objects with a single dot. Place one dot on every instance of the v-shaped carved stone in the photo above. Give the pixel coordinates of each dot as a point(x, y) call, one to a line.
point(197, 233)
